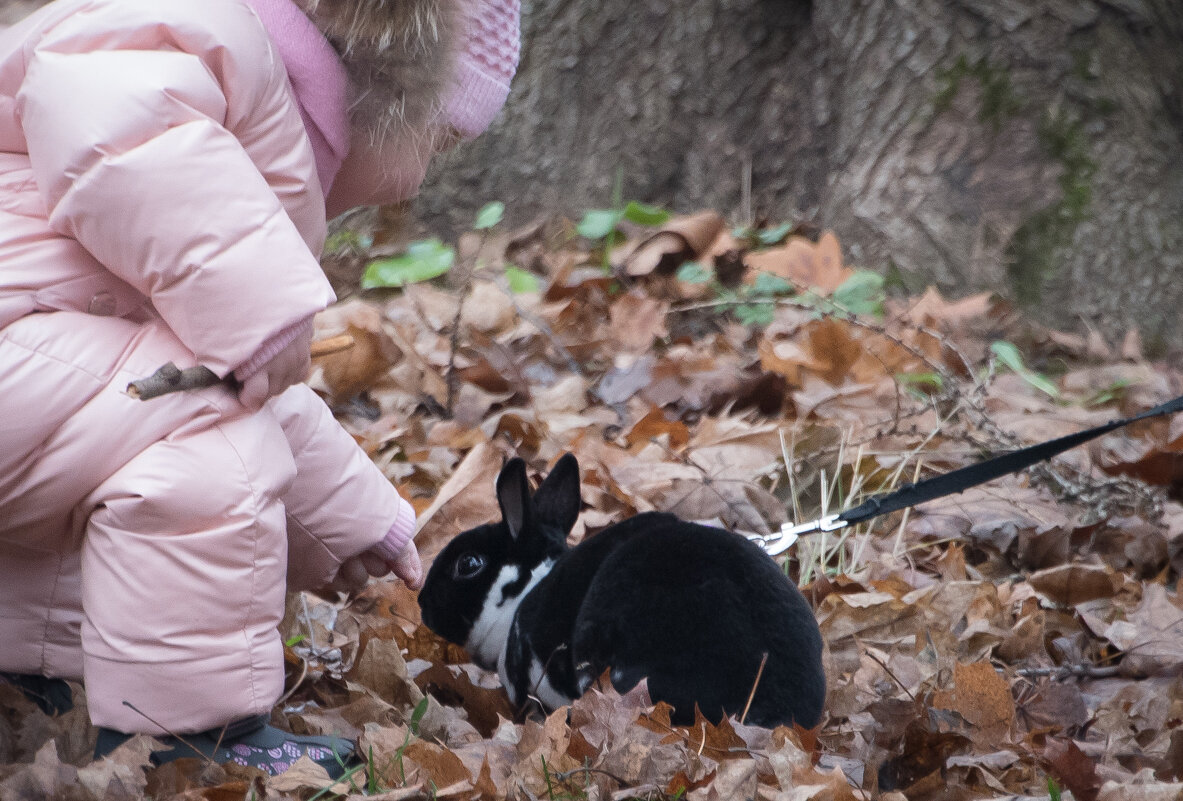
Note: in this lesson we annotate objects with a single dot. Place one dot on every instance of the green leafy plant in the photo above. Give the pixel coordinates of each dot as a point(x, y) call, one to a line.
point(863, 294)
point(1053, 789)
point(346, 240)
point(1008, 356)
point(294, 640)
point(755, 304)
point(489, 215)
point(518, 280)
point(521, 281)
point(693, 272)
point(1115, 391)
point(921, 385)
point(763, 237)
point(601, 223)
point(424, 260)
point(412, 731)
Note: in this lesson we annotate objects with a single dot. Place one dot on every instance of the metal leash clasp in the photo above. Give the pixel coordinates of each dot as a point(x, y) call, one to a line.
point(776, 544)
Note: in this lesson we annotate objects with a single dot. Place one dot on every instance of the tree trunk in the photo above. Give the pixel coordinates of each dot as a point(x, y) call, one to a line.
point(1031, 147)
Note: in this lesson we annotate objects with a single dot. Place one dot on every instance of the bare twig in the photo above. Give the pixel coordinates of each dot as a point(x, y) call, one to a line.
point(172, 734)
point(541, 325)
point(283, 699)
point(450, 379)
point(568, 774)
point(330, 345)
point(755, 684)
point(170, 378)
point(1060, 672)
point(887, 670)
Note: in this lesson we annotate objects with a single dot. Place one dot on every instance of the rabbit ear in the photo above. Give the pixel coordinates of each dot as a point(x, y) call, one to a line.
point(513, 496)
point(557, 501)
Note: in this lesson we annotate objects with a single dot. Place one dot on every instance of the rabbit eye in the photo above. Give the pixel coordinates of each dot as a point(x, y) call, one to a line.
point(468, 565)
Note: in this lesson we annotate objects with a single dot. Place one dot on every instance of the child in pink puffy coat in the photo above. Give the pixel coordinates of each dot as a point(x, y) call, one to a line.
point(166, 169)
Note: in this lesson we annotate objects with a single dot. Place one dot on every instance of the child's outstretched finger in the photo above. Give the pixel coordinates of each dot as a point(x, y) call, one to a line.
point(409, 567)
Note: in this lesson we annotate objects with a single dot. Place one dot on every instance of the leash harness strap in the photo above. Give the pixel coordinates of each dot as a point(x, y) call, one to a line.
point(955, 481)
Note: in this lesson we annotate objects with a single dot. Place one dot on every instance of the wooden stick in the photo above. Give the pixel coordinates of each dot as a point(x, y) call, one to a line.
point(330, 345)
point(752, 694)
point(170, 378)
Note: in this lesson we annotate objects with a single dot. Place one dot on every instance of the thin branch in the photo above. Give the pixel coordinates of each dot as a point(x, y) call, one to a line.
point(451, 380)
point(1059, 672)
point(545, 329)
point(568, 774)
point(170, 378)
point(173, 734)
point(330, 345)
point(888, 671)
point(755, 684)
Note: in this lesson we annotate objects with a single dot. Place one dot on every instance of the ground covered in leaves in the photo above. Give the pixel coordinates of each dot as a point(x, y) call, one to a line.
point(1019, 640)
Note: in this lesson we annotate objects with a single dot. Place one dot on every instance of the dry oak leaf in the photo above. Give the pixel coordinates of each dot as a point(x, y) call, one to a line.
point(1075, 770)
point(801, 262)
point(352, 370)
point(382, 671)
point(1151, 791)
point(46, 777)
point(636, 320)
point(487, 308)
point(934, 311)
point(438, 765)
point(1068, 585)
point(656, 426)
point(464, 501)
point(1152, 634)
point(679, 240)
point(982, 697)
point(304, 775)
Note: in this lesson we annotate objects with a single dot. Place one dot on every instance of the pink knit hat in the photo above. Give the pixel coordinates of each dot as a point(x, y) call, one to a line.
point(486, 63)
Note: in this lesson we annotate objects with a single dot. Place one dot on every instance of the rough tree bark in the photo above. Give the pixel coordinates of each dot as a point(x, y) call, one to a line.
point(1032, 147)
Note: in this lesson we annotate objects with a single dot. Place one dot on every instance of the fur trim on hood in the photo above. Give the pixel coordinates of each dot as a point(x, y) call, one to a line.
point(399, 55)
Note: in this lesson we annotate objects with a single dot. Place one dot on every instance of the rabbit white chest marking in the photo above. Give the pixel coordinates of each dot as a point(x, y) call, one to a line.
point(490, 631)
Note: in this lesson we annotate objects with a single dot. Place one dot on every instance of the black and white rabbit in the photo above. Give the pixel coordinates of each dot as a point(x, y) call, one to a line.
point(691, 608)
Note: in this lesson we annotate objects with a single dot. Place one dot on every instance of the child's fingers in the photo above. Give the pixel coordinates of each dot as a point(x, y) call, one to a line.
point(351, 576)
point(408, 567)
point(255, 391)
point(375, 564)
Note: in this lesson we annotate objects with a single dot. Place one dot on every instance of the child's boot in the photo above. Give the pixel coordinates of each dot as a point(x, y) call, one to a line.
point(251, 742)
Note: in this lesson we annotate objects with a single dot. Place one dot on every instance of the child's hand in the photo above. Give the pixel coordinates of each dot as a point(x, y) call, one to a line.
point(356, 571)
point(264, 377)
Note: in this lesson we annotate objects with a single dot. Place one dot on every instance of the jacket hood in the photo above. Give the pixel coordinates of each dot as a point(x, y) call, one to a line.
point(399, 55)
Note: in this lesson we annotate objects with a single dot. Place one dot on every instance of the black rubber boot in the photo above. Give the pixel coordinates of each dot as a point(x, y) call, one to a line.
point(250, 741)
point(53, 696)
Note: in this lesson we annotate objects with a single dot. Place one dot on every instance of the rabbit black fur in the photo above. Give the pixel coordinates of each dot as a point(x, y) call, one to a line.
point(689, 607)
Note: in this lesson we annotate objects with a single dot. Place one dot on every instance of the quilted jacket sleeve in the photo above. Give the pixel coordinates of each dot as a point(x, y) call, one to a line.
point(340, 503)
point(164, 139)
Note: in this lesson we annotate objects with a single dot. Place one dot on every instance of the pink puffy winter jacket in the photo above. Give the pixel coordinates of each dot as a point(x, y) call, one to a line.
point(206, 158)
point(158, 188)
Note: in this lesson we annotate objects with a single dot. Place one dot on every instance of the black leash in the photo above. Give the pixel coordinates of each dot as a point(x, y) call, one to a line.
point(956, 481)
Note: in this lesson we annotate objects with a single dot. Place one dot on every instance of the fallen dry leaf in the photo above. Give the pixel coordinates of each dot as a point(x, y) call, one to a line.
point(801, 262)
